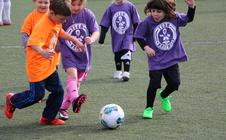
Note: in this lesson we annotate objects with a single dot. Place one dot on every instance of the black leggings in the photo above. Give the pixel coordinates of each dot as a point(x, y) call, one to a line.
point(172, 77)
point(123, 56)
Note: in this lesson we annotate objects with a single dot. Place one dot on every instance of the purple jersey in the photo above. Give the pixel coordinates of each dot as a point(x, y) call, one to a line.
point(81, 25)
point(121, 18)
point(164, 38)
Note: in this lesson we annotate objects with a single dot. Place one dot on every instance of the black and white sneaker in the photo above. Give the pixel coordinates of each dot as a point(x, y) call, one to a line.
point(63, 115)
point(125, 76)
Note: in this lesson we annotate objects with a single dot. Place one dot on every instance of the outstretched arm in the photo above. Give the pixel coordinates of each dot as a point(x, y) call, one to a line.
point(93, 38)
point(47, 53)
point(190, 3)
point(191, 9)
point(73, 39)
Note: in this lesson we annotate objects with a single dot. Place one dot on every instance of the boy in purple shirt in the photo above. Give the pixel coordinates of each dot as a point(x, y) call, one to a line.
point(82, 24)
point(123, 19)
point(159, 36)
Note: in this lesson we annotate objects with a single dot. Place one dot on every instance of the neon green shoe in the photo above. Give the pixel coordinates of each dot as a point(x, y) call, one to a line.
point(148, 113)
point(166, 104)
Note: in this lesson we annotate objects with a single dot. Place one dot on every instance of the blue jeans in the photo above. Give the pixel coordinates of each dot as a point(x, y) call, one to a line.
point(37, 92)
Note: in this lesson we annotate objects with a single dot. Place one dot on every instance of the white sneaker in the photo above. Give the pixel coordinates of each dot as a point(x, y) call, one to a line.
point(125, 76)
point(63, 115)
point(117, 75)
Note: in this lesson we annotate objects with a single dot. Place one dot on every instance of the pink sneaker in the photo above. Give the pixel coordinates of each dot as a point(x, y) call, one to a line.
point(63, 115)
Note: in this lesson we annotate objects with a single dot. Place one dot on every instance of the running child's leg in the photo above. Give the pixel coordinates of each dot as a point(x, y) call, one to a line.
point(71, 88)
point(6, 12)
point(54, 101)
point(172, 77)
point(24, 99)
point(82, 75)
point(1, 11)
point(118, 66)
point(126, 59)
point(154, 84)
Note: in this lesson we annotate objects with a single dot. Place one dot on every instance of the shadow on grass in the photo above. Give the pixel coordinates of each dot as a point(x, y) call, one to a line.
point(37, 131)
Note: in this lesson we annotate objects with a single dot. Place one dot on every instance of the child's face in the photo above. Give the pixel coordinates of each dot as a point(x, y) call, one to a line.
point(157, 14)
point(76, 6)
point(42, 5)
point(57, 19)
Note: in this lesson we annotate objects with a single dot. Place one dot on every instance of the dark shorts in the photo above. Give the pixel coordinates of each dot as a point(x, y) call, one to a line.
point(171, 75)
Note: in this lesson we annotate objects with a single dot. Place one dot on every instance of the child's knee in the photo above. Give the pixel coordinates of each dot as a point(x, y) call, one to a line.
point(175, 85)
point(39, 96)
point(59, 91)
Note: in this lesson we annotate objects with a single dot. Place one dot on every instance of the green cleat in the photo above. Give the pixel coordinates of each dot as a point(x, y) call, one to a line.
point(148, 113)
point(166, 105)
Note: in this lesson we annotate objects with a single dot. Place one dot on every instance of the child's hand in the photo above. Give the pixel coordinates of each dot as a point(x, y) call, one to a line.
point(89, 40)
point(150, 52)
point(80, 46)
point(190, 3)
point(48, 53)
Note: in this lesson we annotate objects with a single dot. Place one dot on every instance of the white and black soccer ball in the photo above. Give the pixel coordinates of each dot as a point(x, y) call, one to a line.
point(111, 116)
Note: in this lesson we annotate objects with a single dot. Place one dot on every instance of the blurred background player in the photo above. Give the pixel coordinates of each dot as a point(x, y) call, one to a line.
point(123, 19)
point(42, 7)
point(41, 61)
point(5, 8)
point(82, 24)
point(159, 36)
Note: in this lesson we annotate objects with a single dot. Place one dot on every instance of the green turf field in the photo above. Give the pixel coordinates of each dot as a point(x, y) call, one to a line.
point(199, 111)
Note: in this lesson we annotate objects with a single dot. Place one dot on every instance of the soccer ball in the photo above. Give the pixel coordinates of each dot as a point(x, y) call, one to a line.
point(111, 116)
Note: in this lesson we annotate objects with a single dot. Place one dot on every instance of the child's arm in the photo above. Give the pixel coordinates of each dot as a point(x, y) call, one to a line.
point(144, 46)
point(191, 9)
point(48, 53)
point(190, 3)
point(25, 38)
point(68, 37)
point(93, 38)
point(103, 33)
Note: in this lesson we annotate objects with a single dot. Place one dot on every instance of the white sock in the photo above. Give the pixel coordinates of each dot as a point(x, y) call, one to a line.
point(1, 10)
point(6, 11)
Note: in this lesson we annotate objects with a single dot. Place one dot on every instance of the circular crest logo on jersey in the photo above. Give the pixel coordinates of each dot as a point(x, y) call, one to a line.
point(80, 31)
point(165, 36)
point(120, 22)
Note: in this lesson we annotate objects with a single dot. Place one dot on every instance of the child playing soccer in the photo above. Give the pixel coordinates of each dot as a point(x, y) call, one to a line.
point(5, 6)
point(171, 3)
point(42, 7)
point(83, 25)
point(41, 63)
point(123, 19)
point(159, 36)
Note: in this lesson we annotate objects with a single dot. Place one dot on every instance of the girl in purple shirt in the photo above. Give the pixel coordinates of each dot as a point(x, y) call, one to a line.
point(159, 36)
point(123, 19)
point(82, 24)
